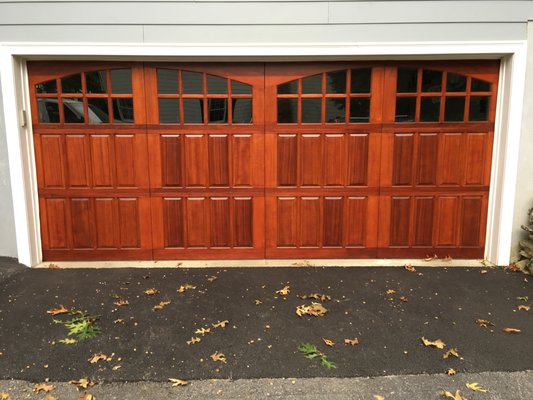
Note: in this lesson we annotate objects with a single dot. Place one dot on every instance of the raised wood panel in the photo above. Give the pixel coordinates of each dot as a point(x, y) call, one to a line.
point(358, 147)
point(52, 161)
point(128, 216)
point(451, 167)
point(286, 222)
point(221, 228)
point(77, 160)
point(218, 160)
point(333, 221)
point(476, 151)
point(448, 207)
point(173, 222)
point(423, 221)
point(355, 226)
point(103, 164)
point(287, 161)
point(57, 229)
point(242, 160)
point(310, 222)
point(197, 173)
point(171, 160)
point(471, 220)
point(125, 160)
point(311, 166)
point(243, 220)
point(82, 223)
point(105, 223)
point(196, 220)
point(427, 158)
point(402, 169)
point(400, 215)
point(334, 173)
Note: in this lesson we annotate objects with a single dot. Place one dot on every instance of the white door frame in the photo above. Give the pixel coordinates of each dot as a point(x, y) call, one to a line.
point(506, 136)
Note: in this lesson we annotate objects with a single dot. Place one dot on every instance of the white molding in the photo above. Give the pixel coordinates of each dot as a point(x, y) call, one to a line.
point(506, 138)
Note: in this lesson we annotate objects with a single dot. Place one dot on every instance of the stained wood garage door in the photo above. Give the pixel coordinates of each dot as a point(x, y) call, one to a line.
point(254, 160)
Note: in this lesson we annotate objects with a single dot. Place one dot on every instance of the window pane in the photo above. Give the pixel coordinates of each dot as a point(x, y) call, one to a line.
point(217, 85)
point(121, 81)
point(311, 111)
point(336, 82)
point(455, 82)
point(48, 110)
point(123, 111)
point(405, 109)
point(431, 81)
point(98, 111)
point(167, 81)
point(430, 109)
point(479, 108)
point(312, 84)
point(480, 86)
point(360, 80)
point(96, 82)
point(192, 82)
point(287, 111)
point(71, 84)
point(193, 111)
point(454, 109)
point(73, 111)
point(240, 88)
point(242, 111)
point(335, 111)
point(359, 110)
point(169, 111)
point(47, 87)
point(217, 111)
point(407, 78)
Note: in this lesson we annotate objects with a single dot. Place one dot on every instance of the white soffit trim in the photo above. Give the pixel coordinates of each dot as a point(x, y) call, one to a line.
point(507, 132)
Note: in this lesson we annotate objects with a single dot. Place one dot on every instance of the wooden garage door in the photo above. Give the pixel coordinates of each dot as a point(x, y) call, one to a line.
point(299, 160)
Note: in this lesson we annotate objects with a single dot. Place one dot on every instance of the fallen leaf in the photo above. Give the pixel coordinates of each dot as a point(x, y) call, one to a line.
point(161, 305)
point(404, 299)
point(4, 396)
point(328, 342)
point(431, 258)
point(315, 310)
point(523, 298)
point(100, 357)
point(484, 271)
point(378, 397)
point(484, 323)
point(317, 296)
point(456, 396)
point(451, 352)
point(151, 291)
point(391, 291)
point(68, 341)
point(87, 396)
point(511, 330)
point(512, 267)
point(178, 382)
point(221, 324)
point(284, 291)
point(121, 303)
point(216, 356)
point(523, 307)
point(116, 367)
point(257, 302)
point(194, 340)
point(83, 383)
point(447, 258)
point(475, 387)
point(118, 321)
point(439, 344)
point(351, 342)
point(451, 371)
point(202, 331)
point(184, 288)
point(60, 310)
point(53, 266)
point(44, 387)
point(212, 278)
point(409, 268)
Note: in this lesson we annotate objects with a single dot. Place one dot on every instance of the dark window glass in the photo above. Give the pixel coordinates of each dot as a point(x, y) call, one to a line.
point(454, 109)
point(48, 110)
point(311, 111)
point(47, 87)
point(169, 111)
point(360, 82)
point(431, 81)
point(455, 82)
point(98, 111)
point(335, 110)
point(287, 111)
point(359, 110)
point(312, 84)
point(123, 111)
point(407, 80)
point(121, 81)
point(336, 82)
point(71, 84)
point(429, 109)
point(288, 87)
point(96, 81)
point(192, 82)
point(167, 81)
point(480, 86)
point(193, 111)
point(73, 111)
point(479, 108)
point(217, 85)
point(240, 88)
point(242, 111)
point(217, 111)
point(405, 109)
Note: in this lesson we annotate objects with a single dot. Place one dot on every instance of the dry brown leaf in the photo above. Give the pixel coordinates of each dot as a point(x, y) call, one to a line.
point(378, 397)
point(53, 266)
point(523, 307)
point(409, 268)
point(194, 340)
point(100, 357)
point(118, 321)
point(391, 291)
point(87, 396)
point(351, 342)
point(151, 291)
point(484, 271)
point(439, 344)
point(512, 267)
point(59, 310)
point(216, 356)
point(475, 387)
point(431, 258)
point(511, 330)
point(116, 367)
point(83, 383)
point(284, 291)
point(456, 396)
point(315, 310)
point(184, 288)
point(202, 331)
point(404, 299)
point(451, 352)
point(178, 382)
point(161, 305)
point(212, 278)
point(447, 258)
point(121, 303)
point(257, 302)
point(44, 387)
point(221, 324)
point(451, 371)
point(328, 342)
point(317, 296)
point(484, 323)
point(4, 396)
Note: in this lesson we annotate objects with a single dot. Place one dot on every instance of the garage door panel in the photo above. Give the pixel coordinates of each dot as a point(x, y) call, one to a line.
point(50, 159)
point(77, 160)
point(358, 159)
point(82, 227)
point(428, 144)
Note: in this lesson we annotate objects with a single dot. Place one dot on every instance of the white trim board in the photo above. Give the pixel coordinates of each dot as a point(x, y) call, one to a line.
point(506, 137)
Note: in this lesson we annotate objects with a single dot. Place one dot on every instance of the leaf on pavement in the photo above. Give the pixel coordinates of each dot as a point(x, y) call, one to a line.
point(378, 397)
point(447, 258)
point(523, 307)
point(391, 291)
point(409, 268)
point(184, 288)
point(511, 330)
point(221, 324)
point(351, 342)
point(431, 258)
point(212, 278)
point(4, 396)
point(118, 321)
point(475, 387)
point(451, 352)
point(87, 396)
point(216, 356)
point(178, 382)
point(404, 299)
point(100, 357)
point(68, 341)
point(151, 291)
point(328, 342)
point(257, 302)
point(439, 344)
point(194, 340)
point(284, 291)
point(44, 387)
point(315, 310)
point(456, 396)
point(451, 371)
point(317, 296)
point(59, 310)
point(121, 303)
point(523, 298)
point(484, 323)
point(161, 305)
point(202, 331)
point(83, 383)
